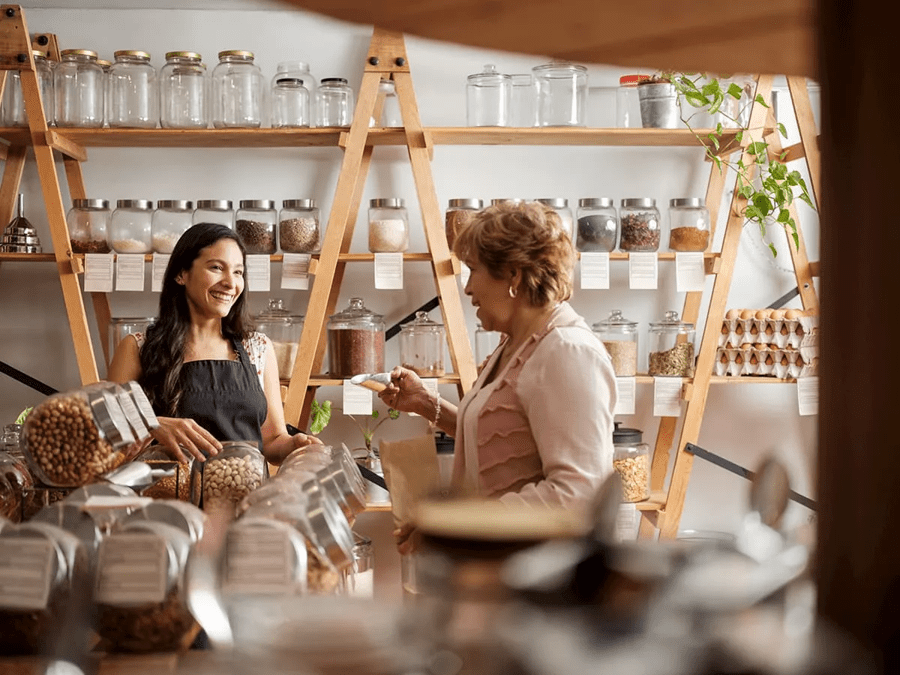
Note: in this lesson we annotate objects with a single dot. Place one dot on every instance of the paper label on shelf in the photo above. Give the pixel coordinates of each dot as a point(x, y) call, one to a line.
point(158, 271)
point(98, 272)
point(389, 271)
point(690, 272)
point(667, 396)
point(595, 270)
point(626, 391)
point(643, 271)
point(258, 274)
point(431, 386)
point(808, 395)
point(132, 569)
point(26, 567)
point(259, 560)
point(295, 271)
point(357, 399)
point(130, 272)
point(627, 521)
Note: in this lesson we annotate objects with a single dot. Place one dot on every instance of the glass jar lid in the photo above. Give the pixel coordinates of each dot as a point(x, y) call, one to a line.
point(38, 54)
point(625, 436)
point(267, 204)
point(103, 63)
point(616, 322)
point(489, 76)
point(236, 54)
point(333, 81)
point(506, 200)
point(131, 320)
point(215, 204)
point(79, 52)
point(687, 202)
point(131, 53)
point(356, 313)
point(141, 204)
point(275, 312)
point(389, 203)
point(289, 82)
point(422, 324)
point(640, 202)
point(465, 204)
point(299, 204)
point(555, 202)
point(179, 204)
point(559, 68)
point(671, 324)
point(596, 202)
point(90, 203)
point(193, 56)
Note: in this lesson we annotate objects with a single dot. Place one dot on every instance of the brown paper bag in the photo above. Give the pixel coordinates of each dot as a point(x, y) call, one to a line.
point(411, 472)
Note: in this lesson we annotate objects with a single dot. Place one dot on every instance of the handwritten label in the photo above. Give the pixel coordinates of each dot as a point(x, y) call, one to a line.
point(132, 569)
point(158, 271)
point(690, 273)
point(626, 392)
point(808, 395)
point(262, 560)
point(98, 272)
point(595, 270)
point(667, 396)
point(643, 271)
point(357, 399)
point(295, 271)
point(389, 271)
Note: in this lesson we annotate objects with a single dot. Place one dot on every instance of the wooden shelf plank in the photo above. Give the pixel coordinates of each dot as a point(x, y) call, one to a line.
point(749, 379)
point(27, 257)
point(656, 502)
point(323, 380)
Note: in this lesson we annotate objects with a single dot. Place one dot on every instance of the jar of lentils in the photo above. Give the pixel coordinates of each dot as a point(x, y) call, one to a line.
point(78, 83)
point(298, 226)
point(183, 92)
point(131, 226)
point(171, 219)
point(214, 211)
point(388, 226)
point(255, 223)
point(597, 228)
point(237, 91)
point(460, 213)
point(640, 225)
point(132, 96)
point(88, 223)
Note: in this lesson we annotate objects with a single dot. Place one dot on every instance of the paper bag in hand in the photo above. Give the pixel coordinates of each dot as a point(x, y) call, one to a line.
point(411, 473)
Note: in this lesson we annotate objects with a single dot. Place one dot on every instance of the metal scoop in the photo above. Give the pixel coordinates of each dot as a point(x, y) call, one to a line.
point(374, 381)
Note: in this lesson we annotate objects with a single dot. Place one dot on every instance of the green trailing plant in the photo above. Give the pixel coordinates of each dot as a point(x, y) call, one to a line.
point(320, 416)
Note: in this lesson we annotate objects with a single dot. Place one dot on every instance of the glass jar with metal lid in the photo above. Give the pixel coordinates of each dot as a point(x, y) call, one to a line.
point(44, 68)
point(255, 223)
point(334, 103)
point(459, 214)
point(299, 70)
point(226, 478)
point(214, 211)
point(688, 224)
point(78, 84)
point(133, 95)
point(290, 103)
point(561, 206)
point(597, 227)
point(131, 225)
point(171, 219)
point(359, 578)
point(620, 337)
point(388, 225)
point(88, 223)
point(488, 96)
point(237, 91)
point(298, 226)
point(183, 92)
point(671, 347)
point(355, 341)
point(631, 460)
point(561, 94)
point(640, 225)
point(284, 329)
point(422, 346)
point(120, 326)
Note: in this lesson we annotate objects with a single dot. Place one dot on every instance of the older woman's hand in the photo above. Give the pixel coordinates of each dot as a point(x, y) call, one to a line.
point(406, 392)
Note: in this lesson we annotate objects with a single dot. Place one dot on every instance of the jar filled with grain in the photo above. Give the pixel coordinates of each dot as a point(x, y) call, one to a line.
point(255, 223)
point(219, 211)
point(284, 330)
point(298, 226)
point(88, 223)
point(671, 347)
point(631, 460)
point(131, 226)
point(226, 478)
point(688, 224)
point(639, 221)
point(388, 226)
point(620, 337)
point(355, 341)
point(597, 228)
point(459, 214)
point(171, 219)
point(560, 205)
point(422, 346)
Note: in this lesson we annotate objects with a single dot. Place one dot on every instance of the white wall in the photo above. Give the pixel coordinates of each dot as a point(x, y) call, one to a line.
point(741, 422)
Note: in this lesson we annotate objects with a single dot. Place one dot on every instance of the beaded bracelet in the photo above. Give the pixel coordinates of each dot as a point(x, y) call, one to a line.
point(437, 409)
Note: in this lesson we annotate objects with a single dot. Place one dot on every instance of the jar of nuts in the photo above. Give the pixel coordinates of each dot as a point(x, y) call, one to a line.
point(174, 486)
point(231, 475)
point(298, 226)
point(631, 460)
point(255, 225)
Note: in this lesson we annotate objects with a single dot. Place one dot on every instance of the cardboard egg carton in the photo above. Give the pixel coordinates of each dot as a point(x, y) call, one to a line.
point(782, 328)
point(766, 360)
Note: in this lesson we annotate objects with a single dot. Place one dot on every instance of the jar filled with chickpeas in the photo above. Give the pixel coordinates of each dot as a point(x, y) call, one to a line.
point(631, 460)
point(226, 478)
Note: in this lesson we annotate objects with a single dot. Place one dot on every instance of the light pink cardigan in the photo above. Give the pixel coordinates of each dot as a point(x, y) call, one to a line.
point(543, 432)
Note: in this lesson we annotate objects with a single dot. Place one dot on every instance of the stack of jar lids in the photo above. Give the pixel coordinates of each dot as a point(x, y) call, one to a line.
point(20, 236)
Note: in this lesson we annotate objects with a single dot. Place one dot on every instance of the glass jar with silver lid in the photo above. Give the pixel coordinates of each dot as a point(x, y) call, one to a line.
point(214, 211)
point(78, 84)
point(388, 226)
point(183, 92)
point(131, 226)
point(88, 223)
point(688, 224)
point(561, 206)
point(298, 226)
point(171, 219)
point(639, 223)
point(255, 223)
point(133, 95)
point(597, 227)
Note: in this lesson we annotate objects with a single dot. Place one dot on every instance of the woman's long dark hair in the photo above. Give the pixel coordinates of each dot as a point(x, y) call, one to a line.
point(162, 355)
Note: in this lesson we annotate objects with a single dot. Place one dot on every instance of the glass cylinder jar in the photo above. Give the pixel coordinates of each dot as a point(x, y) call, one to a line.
point(88, 223)
point(460, 213)
point(44, 68)
point(390, 104)
point(218, 211)
point(120, 326)
point(355, 341)
point(488, 96)
point(359, 579)
point(255, 223)
point(290, 103)
point(388, 226)
point(422, 346)
point(671, 347)
point(631, 460)
point(237, 91)
point(640, 225)
point(486, 342)
point(561, 206)
point(620, 337)
point(78, 85)
point(133, 95)
point(183, 92)
point(284, 330)
point(105, 65)
point(232, 474)
point(171, 219)
point(688, 224)
point(597, 228)
point(131, 225)
point(299, 70)
point(628, 104)
point(560, 94)
point(12, 106)
point(334, 103)
point(521, 107)
point(17, 496)
point(298, 226)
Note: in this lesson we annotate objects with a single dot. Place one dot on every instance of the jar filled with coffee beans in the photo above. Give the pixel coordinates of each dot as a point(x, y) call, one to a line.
point(671, 347)
point(640, 225)
point(228, 477)
point(298, 226)
point(355, 341)
point(255, 223)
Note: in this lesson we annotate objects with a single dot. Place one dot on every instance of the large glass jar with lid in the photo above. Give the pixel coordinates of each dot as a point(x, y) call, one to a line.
point(561, 94)
point(88, 223)
point(671, 347)
point(121, 326)
point(561, 206)
point(171, 219)
point(105, 65)
point(597, 227)
point(255, 223)
point(229, 476)
point(488, 96)
point(290, 103)
point(298, 226)
point(422, 346)
point(334, 103)
point(486, 342)
point(631, 460)
point(183, 92)
point(688, 224)
point(18, 499)
point(133, 95)
point(388, 225)
point(639, 223)
point(460, 213)
point(214, 211)
point(355, 341)
point(237, 91)
point(12, 107)
point(620, 337)
point(299, 70)
point(78, 84)
point(284, 329)
point(131, 226)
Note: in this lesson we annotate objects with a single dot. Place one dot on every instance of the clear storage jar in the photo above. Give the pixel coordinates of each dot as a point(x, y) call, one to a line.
point(631, 460)
point(12, 107)
point(218, 211)
point(226, 478)
point(88, 223)
point(688, 224)
point(560, 94)
point(359, 578)
point(237, 91)
point(521, 107)
point(78, 84)
point(334, 103)
point(284, 330)
point(422, 346)
point(17, 496)
point(171, 219)
point(240, 563)
point(131, 225)
point(183, 92)
point(299, 70)
point(44, 68)
point(639, 224)
point(460, 213)
point(390, 104)
point(486, 342)
point(488, 96)
point(388, 226)
point(255, 223)
point(105, 65)
point(298, 226)
point(290, 103)
point(342, 479)
point(561, 206)
point(620, 337)
point(121, 326)
point(597, 227)
point(355, 341)
point(133, 94)
point(628, 104)
point(671, 347)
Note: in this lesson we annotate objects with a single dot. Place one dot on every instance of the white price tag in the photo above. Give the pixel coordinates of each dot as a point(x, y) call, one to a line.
point(295, 271)
point(690, 272)
point(158, 271)
point(25, 572)
point(643, 271)
point(627, 521)
point(132, 569)
point(808, 395)
point(389, 271)
point(258, 273)
point(261, 560)
point(98, 272)
point(595, 270)
point(626, 392)
point(357, 399)
point(666, 396)
point(130, 272)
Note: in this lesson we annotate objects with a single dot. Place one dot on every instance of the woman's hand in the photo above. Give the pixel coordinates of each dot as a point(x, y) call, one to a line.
point(407, 393)
point(178, 434)
point(278, 448)
point(407, 537)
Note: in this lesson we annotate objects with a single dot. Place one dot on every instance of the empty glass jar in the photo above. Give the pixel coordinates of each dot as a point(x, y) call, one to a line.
point(422, 346)
point(688, 224)
point(488, 96)
point(561, 94)
point(132, 94)
point(628, 104)
point(620, 337)
point(183, 92)
point(171, 219)
point(334, 103)
point(12, 108)
point(237, 91)
point(299, 70)
point(290, 103)
point(214, 211)
point(388, 226)
point(640, 224)
point(486, 341)
point(521, 107)
point(561, 206)
point(131, 226)
point(671, 347)
point(120, 326)
point(390, 106)
point(460, 213)
point(298, 226)
point(355, 341)
point(255, 224)
point(597, 228)
point(78, 83)
point(88, 223)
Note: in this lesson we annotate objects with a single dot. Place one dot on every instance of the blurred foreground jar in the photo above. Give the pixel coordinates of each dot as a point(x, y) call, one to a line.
point(78, 84)
point(422, 346)
point(671, 347)
point(255, 225)
point(334, 103)
point(18, 499)
point(388, 226)
point(183, 92)
point(488, 96)
point(355, 341)
point(620, 337)
point(631, 460)
point(597, 227)
point(561, 91)
point(214, 211)
point(171, 219)
point(132, 95)
point(298, 226)
point(88, 223)
point(131, 226)
point(237, 91)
